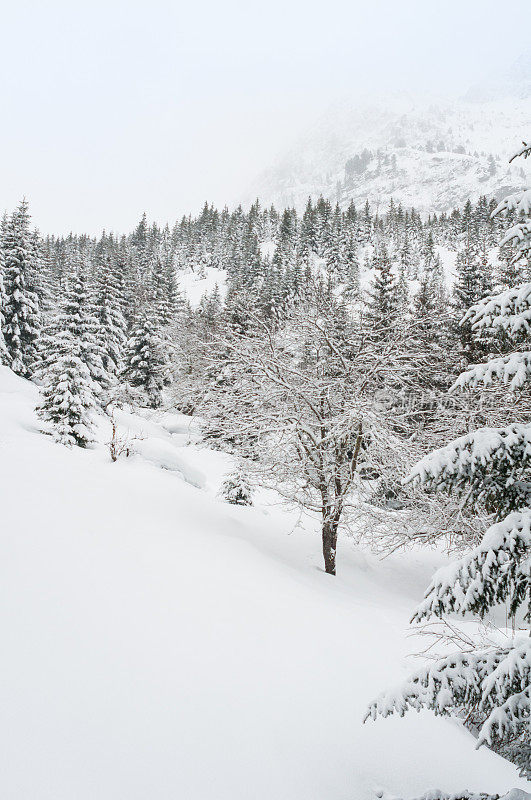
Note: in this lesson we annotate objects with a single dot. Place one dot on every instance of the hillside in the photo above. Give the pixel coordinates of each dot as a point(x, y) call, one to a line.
point(432, 155)
point(159, 643)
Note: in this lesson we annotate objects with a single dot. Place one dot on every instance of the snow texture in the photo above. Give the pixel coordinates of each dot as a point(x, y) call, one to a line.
point(159, 643)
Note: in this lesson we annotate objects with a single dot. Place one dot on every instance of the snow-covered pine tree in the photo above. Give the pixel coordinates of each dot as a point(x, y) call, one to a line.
point(165, 297)
point(21, 325)
point(473, 282)
point(68, 393)
point(383, 301)
point(72, 370)
point(236, 489)
point(335, 259)
point(146, 362)
point(108, 304)
point(352, 269)
point(76, 316)
point(489, 467)
point(431, 322)
point(4, 356)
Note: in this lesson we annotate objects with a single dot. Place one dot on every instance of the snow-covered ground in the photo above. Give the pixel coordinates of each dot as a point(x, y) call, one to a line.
point(194, 286)
point(158, 644)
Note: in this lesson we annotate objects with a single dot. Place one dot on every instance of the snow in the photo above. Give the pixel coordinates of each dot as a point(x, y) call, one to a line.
point(401, 127)
point(499, 566)
point(513, 370)
point(436, 794)
point(194, 285)
point(159, 643)
point(267, 249)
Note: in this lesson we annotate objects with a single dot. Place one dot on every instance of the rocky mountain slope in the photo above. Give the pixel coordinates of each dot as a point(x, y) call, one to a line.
point(433, 156)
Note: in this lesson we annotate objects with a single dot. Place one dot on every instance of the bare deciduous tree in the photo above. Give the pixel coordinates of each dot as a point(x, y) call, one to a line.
point(301, 401)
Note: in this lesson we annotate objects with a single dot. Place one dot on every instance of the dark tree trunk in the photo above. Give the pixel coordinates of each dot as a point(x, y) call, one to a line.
point(329, 546)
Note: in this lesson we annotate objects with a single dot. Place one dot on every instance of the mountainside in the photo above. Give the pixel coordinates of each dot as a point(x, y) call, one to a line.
point(433, 157)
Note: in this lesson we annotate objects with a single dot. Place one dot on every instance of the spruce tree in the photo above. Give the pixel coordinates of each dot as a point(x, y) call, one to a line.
point(473, 282)
point(21, 324)
point(146, 363)
point(109, 303)
point(78, 318)
point(72, 370)
point(491, 469)
point(352, 269)
point(4, 356)
point(236, 489)
point(382, 304)
point(68, 393)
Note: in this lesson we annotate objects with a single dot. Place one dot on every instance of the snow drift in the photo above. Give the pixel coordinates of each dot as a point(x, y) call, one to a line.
point(160, 644)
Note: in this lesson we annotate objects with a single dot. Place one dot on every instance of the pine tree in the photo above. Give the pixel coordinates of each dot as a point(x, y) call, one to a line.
point(489, 468)
point(352, 268)
point(68, 393)
point(429, 333)
point(236, 489)
point(4, 355)
point(473, 281)
point(334, 251)
point(21, 325)
point(308, 236)
point(109, 302)
point(72, 369)
point(146, 363)
point(78, 319)
point(382, 304)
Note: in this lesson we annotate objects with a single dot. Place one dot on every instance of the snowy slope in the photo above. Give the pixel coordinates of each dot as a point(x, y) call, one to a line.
point(434, 155)
point(194, 285)
point(158, 644)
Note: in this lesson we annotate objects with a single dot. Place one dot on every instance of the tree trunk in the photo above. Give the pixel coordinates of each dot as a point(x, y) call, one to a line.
point(329, 533)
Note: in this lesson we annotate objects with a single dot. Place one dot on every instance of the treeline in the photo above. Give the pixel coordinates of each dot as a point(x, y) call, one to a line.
point(120, 296)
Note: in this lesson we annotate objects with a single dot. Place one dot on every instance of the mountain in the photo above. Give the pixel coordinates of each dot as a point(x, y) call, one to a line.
point(430, 155)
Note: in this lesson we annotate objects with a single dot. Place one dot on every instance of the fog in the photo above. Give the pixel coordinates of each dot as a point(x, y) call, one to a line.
point(110, 109)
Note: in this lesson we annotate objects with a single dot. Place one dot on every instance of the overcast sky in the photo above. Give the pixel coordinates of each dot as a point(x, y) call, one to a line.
point(112, 108)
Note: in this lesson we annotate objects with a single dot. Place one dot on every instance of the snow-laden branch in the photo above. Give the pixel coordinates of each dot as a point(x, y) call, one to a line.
point(491, 465)
point(509, 311)
point(513, 370)
point(497, 570)
point(520, 202)
point(495, 682)
point(520, 236)
point(525, 152)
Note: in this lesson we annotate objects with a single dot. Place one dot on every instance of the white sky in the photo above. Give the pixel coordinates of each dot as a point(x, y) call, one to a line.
point(111, 108)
